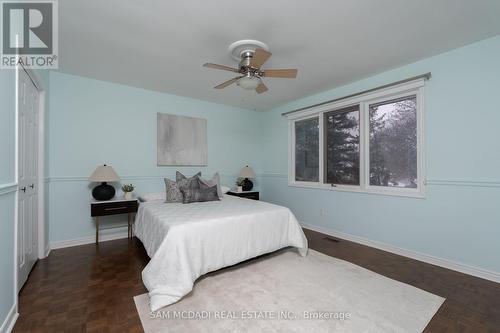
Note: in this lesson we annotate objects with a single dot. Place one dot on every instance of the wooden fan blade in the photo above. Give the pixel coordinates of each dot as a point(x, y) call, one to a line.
point(260, 56)
point(224, 68)
point(261, 88)
point(227, 83)
point(283, 73)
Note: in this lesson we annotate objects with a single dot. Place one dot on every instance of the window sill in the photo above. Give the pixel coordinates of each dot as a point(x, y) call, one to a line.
point(417, 194)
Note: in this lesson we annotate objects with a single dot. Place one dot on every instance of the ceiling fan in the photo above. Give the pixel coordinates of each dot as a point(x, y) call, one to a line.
point(251, 55)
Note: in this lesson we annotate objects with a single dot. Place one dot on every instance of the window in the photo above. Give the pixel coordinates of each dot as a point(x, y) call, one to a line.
point(307, 150)
point(342, 146)
point(393, 143)
point(368, 143)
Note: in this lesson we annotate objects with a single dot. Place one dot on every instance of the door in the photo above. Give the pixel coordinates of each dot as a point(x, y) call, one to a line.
point(28, 110)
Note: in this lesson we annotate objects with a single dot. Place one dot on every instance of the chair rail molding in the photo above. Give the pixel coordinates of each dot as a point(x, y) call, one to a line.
point(126, 178)
point(434, 181)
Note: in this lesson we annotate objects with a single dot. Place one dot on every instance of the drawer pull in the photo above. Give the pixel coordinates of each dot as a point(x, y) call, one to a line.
point(116, 208)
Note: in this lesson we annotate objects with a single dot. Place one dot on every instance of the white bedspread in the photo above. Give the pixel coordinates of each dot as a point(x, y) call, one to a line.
point(185, 241)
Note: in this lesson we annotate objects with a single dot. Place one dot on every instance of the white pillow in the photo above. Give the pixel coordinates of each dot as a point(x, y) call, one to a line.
point(152, 196)
point(225, 189)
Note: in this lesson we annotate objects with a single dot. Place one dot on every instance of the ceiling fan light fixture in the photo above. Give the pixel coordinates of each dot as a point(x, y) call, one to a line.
point(251, 55)
point(249, 82)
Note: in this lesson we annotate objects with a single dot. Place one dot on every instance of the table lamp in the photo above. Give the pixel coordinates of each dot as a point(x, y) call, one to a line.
point(104, 173)
point(247, 173)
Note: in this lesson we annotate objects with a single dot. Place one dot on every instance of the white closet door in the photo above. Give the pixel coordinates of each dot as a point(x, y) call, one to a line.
point(28, 177)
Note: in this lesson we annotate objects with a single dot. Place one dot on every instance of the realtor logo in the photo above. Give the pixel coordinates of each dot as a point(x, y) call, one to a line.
point(29, 34)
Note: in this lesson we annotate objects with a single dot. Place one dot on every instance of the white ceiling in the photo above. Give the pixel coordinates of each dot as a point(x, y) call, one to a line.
point(161, 45)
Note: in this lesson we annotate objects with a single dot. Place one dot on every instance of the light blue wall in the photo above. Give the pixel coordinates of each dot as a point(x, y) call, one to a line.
point(459, 219)
point(7, 128)
point(7, 283)
point(7, 197)
point(94, 122)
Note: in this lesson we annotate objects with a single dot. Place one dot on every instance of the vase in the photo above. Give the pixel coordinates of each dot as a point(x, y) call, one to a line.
point(103, 192)
point(247, 185)
point(128, 195)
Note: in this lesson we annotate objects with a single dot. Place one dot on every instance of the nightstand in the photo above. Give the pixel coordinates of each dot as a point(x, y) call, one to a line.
point(254, 195)
point(113, 207)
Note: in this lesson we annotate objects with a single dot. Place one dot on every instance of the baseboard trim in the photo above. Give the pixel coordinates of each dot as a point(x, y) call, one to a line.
point(47, 250)
point(10, 320)
point(104, 236)
point(445, 263)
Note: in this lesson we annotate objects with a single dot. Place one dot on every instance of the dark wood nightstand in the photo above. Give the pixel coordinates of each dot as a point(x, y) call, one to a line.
point(254, 195)
point(113, 207)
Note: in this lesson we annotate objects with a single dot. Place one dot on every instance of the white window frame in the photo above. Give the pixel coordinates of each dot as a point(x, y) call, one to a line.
point(411, 88)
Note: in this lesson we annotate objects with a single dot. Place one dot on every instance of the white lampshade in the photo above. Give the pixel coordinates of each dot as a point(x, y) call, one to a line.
point(249, 82)
point(247, 172)
point(104, 173)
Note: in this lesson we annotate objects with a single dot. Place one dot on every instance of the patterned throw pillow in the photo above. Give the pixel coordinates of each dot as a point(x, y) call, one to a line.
point(173, 188)
point(209, 183)
point(199, 195)
point(173, 193)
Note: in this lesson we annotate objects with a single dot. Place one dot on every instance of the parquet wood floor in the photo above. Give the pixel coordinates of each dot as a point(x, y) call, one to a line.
point(90, 289)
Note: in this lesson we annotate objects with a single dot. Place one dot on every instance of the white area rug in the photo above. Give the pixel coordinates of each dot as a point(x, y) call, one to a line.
point(285, 292)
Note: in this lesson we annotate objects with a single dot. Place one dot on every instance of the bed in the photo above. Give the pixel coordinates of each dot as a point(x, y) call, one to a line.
point(185, 241)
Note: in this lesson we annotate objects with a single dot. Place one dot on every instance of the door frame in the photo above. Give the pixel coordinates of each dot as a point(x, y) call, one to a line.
point(43, 247)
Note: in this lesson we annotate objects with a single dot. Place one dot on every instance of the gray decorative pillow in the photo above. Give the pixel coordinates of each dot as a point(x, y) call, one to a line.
point(187, 183)
point(173, 188)
point(199, 195)
point(209, 183)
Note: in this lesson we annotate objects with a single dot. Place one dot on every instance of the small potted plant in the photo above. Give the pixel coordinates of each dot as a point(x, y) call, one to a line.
point(239, 184)
point(127, 190)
